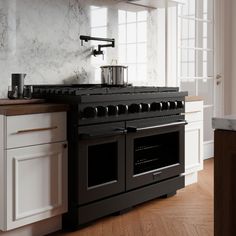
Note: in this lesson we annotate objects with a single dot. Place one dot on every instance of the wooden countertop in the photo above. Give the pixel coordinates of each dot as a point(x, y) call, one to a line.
point(6, 101)
point(193, 98)
point(23, 109)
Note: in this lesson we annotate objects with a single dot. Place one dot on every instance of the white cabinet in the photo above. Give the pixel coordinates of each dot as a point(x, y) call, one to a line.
point(33, 169)
point(193, 141)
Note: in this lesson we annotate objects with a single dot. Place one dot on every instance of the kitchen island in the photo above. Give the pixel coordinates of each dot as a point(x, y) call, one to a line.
point(224, 175)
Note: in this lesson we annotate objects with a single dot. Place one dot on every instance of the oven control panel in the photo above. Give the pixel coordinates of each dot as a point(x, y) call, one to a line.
point(135, 108)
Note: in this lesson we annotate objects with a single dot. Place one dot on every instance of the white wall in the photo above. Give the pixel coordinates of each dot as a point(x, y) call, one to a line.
point(232, 48)
point(228, 19)
point(41, 38)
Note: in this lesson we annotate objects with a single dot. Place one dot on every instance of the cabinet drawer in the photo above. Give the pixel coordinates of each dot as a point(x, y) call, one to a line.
point(27, 130)
point(194, 111)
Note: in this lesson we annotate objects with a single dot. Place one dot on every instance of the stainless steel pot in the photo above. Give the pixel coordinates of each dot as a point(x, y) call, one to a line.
point(114, 74)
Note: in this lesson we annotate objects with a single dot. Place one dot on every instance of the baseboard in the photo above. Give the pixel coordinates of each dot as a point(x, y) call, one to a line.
point(40, 228)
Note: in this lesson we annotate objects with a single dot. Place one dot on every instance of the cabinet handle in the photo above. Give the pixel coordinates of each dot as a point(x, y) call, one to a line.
point(36, 130)
point(190, 112)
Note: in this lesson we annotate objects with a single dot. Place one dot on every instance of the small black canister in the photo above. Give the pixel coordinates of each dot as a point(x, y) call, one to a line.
point(18, 80)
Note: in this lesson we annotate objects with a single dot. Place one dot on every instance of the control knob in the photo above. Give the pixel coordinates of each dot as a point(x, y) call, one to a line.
point(135, 108)
point(156, 106)
point(173, 105)
point(145, 107)
point(166, 105)
point(102, 111)
point(180, 104)
point(112, 110)
point(122, 109)
point(90, 112)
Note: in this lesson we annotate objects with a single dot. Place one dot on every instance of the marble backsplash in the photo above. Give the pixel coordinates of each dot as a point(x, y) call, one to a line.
point(41, 39)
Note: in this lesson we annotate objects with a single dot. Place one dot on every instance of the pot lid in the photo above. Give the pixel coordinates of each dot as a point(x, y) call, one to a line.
point(107, 66)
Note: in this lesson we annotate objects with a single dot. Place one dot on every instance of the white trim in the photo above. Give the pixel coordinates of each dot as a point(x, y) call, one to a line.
point(195, 78)
point(219, 37)
point(196, 19)
point(2, 175)
point(197, 49)
point(208, 106)
point(208, 149)
point(166, 43)
point(191, 178)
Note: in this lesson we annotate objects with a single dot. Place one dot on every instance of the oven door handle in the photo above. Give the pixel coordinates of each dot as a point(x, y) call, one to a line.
point(114, 132)
point(131, 129)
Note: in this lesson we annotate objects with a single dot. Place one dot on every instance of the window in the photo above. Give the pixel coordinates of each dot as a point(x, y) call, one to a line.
point(195, 69)
point(132, 44)
point(98, 29)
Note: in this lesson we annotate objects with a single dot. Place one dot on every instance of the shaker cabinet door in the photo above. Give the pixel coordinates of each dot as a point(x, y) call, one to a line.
point(193, 147)
point(36, 183)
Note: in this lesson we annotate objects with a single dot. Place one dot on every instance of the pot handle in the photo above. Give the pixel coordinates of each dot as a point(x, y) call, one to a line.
point(114, 62)
point(127, 76)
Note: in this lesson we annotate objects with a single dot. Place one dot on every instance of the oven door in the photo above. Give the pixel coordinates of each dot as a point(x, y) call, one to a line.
point(155, 151)
point(101, 161)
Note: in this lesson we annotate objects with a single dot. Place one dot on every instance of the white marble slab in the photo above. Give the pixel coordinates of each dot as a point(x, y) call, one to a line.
point(41, 39)
point(226, 122)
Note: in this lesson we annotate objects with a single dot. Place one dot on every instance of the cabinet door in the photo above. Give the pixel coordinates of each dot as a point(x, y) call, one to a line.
point(36, 183)
point(193, 147)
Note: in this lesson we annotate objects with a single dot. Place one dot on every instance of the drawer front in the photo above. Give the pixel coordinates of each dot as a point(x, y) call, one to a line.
point(194, 111)
point(27, 130)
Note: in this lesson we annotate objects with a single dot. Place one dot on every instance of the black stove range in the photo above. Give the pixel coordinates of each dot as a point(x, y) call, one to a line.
point(98, 103)
point(126, 146)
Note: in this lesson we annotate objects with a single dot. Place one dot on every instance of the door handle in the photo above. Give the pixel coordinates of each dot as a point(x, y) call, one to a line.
point(218, 79)
point(131, 129)
point(118, 131)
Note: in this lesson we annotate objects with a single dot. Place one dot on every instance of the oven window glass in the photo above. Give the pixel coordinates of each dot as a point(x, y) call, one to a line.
point(102, 164)
point(154, 152)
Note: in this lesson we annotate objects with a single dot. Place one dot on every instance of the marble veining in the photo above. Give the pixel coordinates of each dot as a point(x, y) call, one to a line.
point(41, 39)
point(3, 29)
point(226, 122)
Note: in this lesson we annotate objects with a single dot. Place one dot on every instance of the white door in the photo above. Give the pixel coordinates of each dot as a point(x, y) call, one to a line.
point(199, 60)
point(36, 183)
point(219, 56)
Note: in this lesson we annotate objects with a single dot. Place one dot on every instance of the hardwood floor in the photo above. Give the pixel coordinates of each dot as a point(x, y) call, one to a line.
point(188, 213)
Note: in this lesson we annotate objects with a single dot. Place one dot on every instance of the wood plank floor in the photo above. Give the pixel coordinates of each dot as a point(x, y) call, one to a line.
point(188, 213)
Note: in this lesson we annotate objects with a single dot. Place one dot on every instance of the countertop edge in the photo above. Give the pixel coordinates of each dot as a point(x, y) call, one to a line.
point(193, 98)
point(25, 109)
point(224, 123)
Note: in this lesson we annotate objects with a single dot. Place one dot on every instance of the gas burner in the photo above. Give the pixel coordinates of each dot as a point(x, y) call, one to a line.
point(96, 89)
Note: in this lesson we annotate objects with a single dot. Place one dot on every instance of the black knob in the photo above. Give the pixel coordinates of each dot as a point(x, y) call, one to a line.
point(122, 109)
point(156, 106)
point(180, 104)
point(135, 108)
point(173, 105)
point(166, 105)
point(102, 111)
point(90, 112)
point(145, 107)
point(112, 110)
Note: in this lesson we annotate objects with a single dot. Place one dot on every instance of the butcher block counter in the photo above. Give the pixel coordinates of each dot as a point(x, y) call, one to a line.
point(34, 106)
